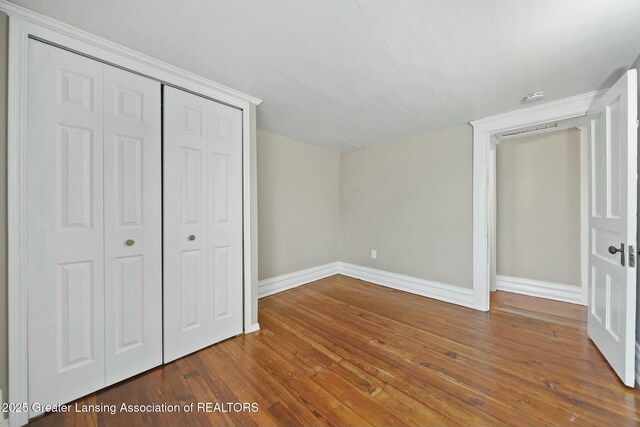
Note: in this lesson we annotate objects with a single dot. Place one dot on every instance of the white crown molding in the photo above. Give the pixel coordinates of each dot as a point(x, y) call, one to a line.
point(59, 27)
point(287, 281)
point(540, 289)
point(426, 288)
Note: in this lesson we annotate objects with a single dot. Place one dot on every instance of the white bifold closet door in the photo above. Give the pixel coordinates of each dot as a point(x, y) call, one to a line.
point(202, 222)
point(93, 225)
point(133, 223)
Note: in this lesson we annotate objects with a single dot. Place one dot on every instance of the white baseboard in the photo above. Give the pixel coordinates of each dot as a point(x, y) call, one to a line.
point(414, 285)
point(637, 362)
point(281, 283)
point(540, 289)
point(252, 328)
point(418, 286)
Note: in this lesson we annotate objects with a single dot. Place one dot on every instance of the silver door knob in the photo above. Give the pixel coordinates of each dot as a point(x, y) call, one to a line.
point(192, 237)
point(129, 242)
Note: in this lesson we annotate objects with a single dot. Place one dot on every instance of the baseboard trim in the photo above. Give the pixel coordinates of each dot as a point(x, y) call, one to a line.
point(414, 285)
point(252, 328)
point(287, 281)
point(540, 289)
point(637, 362)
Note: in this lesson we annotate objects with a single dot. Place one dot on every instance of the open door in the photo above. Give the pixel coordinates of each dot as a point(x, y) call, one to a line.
point(612, 225)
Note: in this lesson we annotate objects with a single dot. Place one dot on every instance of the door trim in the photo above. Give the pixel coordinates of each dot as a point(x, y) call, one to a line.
point(23, 24)
point(482, 130)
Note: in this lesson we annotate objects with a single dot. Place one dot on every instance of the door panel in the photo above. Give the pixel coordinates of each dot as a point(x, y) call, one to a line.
point(65, 273)
point(75, 310)
point(203, 223)
point(191, 279)
point(612, 223)
point(185, 238)
point(225, 220)
point(133, 242)
point(221, 278)
point(129, 304)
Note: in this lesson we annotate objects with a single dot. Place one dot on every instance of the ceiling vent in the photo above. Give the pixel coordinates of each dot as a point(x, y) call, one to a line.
point(533, 97)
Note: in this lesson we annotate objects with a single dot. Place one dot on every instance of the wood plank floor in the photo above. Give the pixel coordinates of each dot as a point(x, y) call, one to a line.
point(342, 351)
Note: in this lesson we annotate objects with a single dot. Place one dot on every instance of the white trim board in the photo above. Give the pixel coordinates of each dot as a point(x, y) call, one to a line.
point(410, 284)
point(482, 130)
point(540, 289)
point(414, 285)
point(287, 281)
point(24, 24)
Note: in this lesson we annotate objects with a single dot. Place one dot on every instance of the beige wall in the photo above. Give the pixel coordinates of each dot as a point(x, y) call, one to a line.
point(297, 205)
point(4, 36)
point(538, 207)
point(411, 200)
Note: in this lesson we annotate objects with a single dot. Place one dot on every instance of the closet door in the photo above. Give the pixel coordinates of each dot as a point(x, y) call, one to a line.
point(94, 269)
point(133, 239)
point(202, 223)
point(65, 271)
point(224, 220)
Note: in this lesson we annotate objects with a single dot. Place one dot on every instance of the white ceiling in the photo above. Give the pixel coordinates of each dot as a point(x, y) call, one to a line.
point(348, 73)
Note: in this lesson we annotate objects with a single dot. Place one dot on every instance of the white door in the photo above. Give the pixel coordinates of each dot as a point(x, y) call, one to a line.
point(224, 220)
point(133, 239)
point(65, 271)
point(202, 222)
point(612, 225)
point(94, 268)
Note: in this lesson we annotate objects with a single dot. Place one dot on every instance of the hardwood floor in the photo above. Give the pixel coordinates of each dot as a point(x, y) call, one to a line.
point(342, 351)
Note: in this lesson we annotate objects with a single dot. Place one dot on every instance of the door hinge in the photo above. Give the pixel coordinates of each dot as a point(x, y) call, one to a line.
point(632, 256)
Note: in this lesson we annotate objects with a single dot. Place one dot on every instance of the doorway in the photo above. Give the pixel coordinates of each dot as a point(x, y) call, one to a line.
point(612, 211)
point(538, 234)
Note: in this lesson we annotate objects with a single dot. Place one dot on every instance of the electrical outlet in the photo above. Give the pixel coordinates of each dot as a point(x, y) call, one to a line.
point(374, 254)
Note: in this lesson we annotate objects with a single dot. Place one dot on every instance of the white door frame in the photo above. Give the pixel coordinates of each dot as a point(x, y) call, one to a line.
point(25, 24)
point(577, 123)
point(482, 130)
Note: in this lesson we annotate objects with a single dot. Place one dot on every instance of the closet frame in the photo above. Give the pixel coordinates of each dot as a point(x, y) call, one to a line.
point(25, 24)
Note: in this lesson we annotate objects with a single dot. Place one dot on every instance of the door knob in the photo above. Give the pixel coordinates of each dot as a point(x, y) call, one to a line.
point(129, 242)
point(613, 250)
point(192, 237)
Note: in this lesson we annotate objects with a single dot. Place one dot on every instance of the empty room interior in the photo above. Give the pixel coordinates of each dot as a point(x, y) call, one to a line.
point(319, 213)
